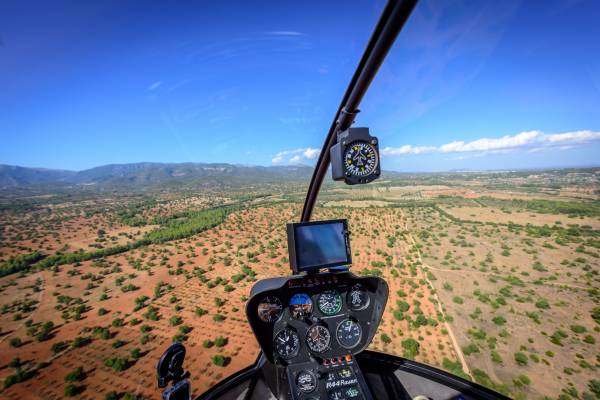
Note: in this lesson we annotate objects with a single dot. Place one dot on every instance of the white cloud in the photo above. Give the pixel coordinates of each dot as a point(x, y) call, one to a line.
point(155, 85)
point(295, 160)
point(406, 149)
point(531, 140)
point(296, 156)
point(311, 153)
point(284, 33)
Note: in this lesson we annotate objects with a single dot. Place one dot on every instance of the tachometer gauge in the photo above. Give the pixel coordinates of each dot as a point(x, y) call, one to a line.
point(286, 343)
point(301, 305)
point(348, 333)
point(357, 298)
point(318, 338)
point(329, 302)
point(360, 158)
point(269, 309)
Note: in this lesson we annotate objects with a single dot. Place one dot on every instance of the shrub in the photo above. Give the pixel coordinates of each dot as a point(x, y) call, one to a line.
point(219, 360)
point(14, 363)
point(218, 318)
point(221, 341)
point(594, 386)
point(496, 357)
point(102, 311)
point(151, 314)
point(454, 367)
point(77, 375)
point(15, 342)
point(185, 329)
point(59, 346)
point(17, 377)
point(111, 396)
point(207, 343)
point(542, 304)
point(385, 338)
point(458, 300)
point(117, 363)
point(175, 320)
point(499, 320)
point(44, 333)
point(80, 342)
point(71, 390)
point(411, 348)
point(136, 353)
point(200, 311)
point(521, 358)
point(470, 349)
point(219, 302)
point(118, 343)
point(589, 339)
point(578, 328)
point(522, 380)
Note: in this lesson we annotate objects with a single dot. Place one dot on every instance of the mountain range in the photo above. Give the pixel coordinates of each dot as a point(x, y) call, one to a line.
point(149, 174)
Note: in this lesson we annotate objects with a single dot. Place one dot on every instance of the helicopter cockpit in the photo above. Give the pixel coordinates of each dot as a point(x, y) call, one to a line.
point(314, 326)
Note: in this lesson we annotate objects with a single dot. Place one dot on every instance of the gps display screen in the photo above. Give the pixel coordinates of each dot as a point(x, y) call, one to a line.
point(321, 244)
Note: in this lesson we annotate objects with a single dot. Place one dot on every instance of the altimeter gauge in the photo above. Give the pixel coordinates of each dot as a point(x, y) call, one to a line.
point(286, 343)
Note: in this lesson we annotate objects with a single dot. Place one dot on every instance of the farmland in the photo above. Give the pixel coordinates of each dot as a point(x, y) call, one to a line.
point(493, 276)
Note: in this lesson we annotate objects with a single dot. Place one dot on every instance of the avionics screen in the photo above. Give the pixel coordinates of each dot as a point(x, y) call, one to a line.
point(321, 244)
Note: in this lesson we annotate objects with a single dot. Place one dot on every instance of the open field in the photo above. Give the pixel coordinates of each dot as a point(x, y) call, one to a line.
point(494, 277)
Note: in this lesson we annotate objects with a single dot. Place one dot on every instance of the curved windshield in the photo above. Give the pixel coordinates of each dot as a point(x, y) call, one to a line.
point(152, 155)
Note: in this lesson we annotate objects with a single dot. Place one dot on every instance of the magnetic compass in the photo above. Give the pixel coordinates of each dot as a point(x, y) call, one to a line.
point(355, 157)
point(360, 159)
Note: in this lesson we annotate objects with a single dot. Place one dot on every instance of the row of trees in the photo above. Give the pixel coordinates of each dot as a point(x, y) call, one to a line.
point(178, 226)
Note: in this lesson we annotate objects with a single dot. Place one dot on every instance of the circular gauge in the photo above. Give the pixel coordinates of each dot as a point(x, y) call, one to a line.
point(301, 305)
point(329, 302)
point(360, 158)
point(357, 298)
point(306, 381)
point(348, 333)
point(269, 309)
point(318, 338)
point(286, 343)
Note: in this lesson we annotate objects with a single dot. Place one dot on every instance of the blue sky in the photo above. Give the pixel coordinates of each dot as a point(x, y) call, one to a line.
point(468, 85)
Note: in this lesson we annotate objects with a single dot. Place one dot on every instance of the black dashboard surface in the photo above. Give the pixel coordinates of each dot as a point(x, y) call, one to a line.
point(324, 316)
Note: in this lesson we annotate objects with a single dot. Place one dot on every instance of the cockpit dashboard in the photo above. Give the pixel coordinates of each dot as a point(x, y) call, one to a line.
point(314, 325)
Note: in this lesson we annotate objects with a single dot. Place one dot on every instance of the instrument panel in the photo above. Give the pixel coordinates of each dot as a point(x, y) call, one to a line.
point(311, 326)
point(322, 316)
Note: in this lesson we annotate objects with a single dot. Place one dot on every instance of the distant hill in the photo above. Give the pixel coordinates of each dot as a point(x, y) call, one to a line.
point(151, 174)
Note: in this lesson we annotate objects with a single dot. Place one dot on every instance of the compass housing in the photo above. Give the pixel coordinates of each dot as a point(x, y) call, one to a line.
point(355, 157)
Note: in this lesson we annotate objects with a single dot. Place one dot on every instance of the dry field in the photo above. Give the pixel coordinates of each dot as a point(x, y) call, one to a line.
point(483, 291)
point(521, 304)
